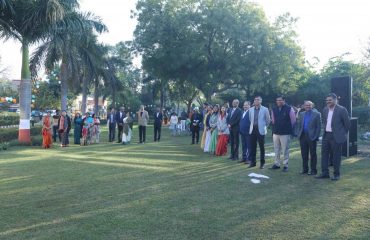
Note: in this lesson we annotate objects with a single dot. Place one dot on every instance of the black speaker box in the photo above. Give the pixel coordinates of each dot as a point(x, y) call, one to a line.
point(349, 148)
point(342, 87)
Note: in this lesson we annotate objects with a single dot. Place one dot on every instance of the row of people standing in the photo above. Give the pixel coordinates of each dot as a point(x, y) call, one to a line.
point(250, 125)
point(216, 131)
point(58, 126)
point(124, 123)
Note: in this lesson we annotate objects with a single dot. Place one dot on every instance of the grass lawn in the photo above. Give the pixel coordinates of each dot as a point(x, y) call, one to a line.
point(172, 190)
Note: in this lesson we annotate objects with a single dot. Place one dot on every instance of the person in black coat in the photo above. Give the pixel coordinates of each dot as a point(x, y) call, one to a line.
point(119, 120)
point(196, 119)
point(111, 120)
point(158, 118)
point(244, 133)
point(233, 121)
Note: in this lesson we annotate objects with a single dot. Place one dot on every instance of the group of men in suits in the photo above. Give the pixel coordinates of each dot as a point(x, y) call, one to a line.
point(251, 124)
point(116, 119)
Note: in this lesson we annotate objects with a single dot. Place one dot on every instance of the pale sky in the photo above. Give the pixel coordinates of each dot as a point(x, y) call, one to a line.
point(326, 28)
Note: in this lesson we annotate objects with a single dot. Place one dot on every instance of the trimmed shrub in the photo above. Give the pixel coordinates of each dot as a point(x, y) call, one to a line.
point(7, 119)
point(10, 134)
point(363, 115)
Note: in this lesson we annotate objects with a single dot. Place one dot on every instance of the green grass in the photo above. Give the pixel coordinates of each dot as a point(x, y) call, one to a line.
point(171, 190)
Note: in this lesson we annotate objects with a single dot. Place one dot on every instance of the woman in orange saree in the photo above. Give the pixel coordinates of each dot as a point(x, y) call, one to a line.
point(46, 131)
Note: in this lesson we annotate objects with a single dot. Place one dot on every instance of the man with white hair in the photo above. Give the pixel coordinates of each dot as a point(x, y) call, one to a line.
point(308, 133)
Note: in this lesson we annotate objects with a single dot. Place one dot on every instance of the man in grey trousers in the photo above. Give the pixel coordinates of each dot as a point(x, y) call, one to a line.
point(336, 124)
point(308, 133)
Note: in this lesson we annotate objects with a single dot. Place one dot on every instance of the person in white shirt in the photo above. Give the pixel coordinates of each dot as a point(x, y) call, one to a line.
point(173, 123)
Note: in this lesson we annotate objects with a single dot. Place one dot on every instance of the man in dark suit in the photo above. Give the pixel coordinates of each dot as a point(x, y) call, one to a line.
point(196, 119)
point(111, 120)
point(233, 124)
point(308, 133)
point(119, 120)
point(158, 118)
point(336, 124)
point(244, 133)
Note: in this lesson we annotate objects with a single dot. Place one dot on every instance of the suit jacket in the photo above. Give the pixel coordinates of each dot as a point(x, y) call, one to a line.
point(244, 123)
point(263, 120)
point(314, 126)
point(234, 119)
point(119, 118)
point(158, 120)
point(142, 119)
point(109, 118)
point(339, 124)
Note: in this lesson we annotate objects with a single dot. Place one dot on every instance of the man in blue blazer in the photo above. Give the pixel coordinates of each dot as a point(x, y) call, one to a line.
point(233, 124)
point(244, 132)
point(260, 119)
point(158, 118)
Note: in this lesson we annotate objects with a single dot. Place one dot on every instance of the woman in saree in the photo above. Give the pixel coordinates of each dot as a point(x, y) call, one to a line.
point(207, 129)
point(63, 128)
point(47, 123)
point(96, 129)
point(206, 132)
point(127, 129)
point(223, 133)
point(214, 131)
point(86, 129)
point(78, 128)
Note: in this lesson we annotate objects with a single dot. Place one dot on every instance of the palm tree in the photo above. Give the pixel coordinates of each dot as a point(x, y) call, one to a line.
point(29, 23)
point(69, 47)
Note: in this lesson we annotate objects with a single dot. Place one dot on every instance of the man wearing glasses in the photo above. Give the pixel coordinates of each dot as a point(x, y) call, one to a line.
point(336, 125)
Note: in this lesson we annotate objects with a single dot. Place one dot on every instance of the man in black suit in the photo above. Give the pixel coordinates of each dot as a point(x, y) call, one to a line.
point(245, 124)
point(119, 120)
point(158, 118)
point(111, 120)
point(308, 133)
point(336, 124)
point(233, 121)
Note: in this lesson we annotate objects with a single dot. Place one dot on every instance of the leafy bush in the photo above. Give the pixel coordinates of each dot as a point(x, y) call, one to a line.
point(9, 134)
point(363, 115)
point(7, 119)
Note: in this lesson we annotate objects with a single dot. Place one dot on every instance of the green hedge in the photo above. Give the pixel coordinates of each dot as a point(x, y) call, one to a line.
point(7, 119)
point(363, 115)
point(10, 134)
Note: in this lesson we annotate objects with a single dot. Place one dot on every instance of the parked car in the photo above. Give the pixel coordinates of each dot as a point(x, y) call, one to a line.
point(36, 115)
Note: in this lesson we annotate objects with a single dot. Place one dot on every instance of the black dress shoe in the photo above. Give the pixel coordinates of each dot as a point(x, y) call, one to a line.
point(312, 173)
point(335, 178)
point(242, 161)
point(251, 165)
point(322, 176)
point(275, 167)
point(304, 172)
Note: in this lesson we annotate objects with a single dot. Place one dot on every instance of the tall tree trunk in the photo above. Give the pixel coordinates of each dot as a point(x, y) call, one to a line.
point(64, 84)
point(84, 95)
point(96, 97)
point(162, 97)
point(24, 135)
point(188, 105)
